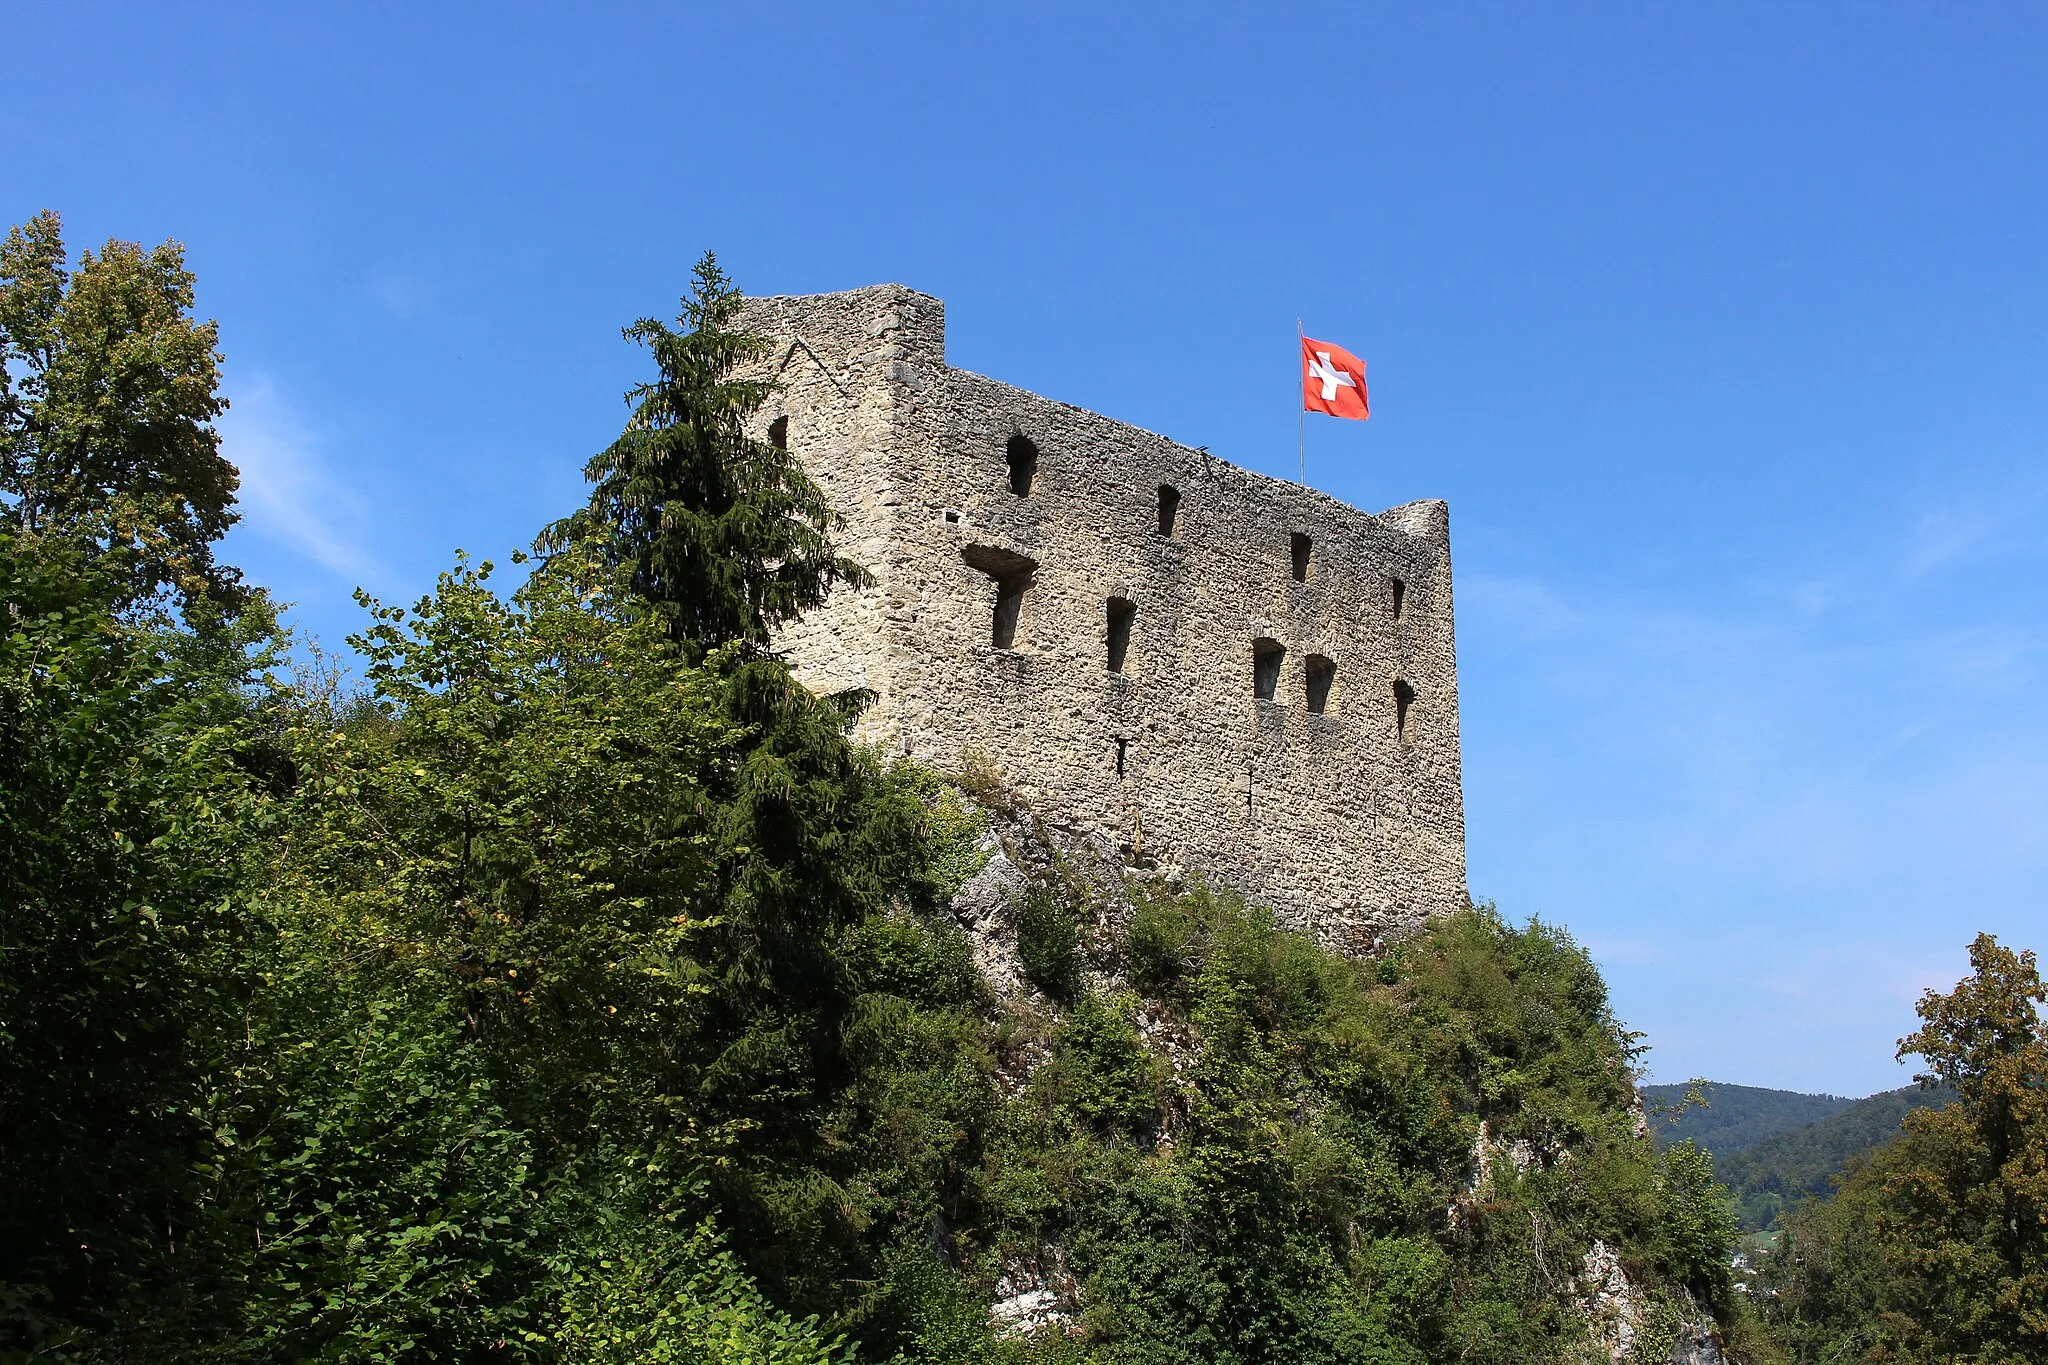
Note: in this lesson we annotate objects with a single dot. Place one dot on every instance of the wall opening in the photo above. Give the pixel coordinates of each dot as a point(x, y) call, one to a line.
point(1169, 510)
point(1404, 712)
point(1400, 598)
point(1322, 671)
point(1011, 573)
point(1123, 749)
point(1300, 545)
point(1266, 658)
point(1121, 614)
point(1023, 463)
point(778, 432)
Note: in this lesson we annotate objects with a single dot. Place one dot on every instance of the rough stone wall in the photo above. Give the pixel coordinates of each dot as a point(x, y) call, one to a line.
point(1346, 823)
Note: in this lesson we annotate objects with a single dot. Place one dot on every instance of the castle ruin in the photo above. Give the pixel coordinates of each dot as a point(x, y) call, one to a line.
point(1203, 666)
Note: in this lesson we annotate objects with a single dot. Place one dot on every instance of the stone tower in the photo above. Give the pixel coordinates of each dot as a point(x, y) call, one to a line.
point(1201, 665)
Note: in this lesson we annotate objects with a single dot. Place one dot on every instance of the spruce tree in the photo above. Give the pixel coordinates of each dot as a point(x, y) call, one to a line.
point(725, 535)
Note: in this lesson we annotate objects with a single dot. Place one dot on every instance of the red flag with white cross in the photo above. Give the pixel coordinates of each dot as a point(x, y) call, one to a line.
point(1332, 381)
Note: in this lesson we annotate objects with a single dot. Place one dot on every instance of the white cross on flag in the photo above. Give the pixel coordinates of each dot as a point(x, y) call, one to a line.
point(1332, 380)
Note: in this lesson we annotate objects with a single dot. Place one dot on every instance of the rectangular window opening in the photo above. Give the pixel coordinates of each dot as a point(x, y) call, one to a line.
point(1012, 575)
point(1009, 608)
point(1169, 510)
point(1322, 671)
point(1400, 598)
point(1404, 712)
point(1122, 614)
point(1123, 748)
point(1266, 658)
point(778, 432)
point(1023, 457)
point(1300, 545)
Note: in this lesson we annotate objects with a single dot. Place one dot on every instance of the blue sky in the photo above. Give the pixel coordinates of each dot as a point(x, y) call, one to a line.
point(1722, 328)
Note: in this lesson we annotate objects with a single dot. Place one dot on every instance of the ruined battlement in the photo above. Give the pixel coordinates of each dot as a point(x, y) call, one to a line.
point(1208, 667)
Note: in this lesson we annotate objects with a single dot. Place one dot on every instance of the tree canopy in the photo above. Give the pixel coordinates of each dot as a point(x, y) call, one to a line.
point(108, 391)
point(1935, 1248)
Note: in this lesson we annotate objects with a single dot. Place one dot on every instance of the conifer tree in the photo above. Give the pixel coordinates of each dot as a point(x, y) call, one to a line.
point(724, 533)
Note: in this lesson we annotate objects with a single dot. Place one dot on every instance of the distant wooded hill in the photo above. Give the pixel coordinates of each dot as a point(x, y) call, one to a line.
point(1774, 1147)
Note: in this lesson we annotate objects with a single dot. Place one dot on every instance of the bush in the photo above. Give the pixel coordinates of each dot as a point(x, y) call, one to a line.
point(1049, 942)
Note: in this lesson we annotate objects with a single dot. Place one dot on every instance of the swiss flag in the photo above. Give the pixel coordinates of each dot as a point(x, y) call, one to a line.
point(1332, 380)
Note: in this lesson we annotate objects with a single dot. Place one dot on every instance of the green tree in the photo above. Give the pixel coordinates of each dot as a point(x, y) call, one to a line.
point(1936, 1246)
point(576, 941)
point(108, 391)
point(136, 772)
point(725, 535)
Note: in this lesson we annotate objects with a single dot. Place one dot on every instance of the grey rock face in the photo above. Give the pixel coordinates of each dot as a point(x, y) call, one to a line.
point(1696, 1344)
point(1188, 662)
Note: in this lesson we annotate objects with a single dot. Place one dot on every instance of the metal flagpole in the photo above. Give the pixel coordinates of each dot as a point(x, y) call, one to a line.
point(1301, 417)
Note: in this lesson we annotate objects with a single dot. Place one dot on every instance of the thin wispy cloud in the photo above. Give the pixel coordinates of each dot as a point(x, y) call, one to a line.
point(290, 494)
point(1805, 808)
point(1980, 525)
point(402, 293)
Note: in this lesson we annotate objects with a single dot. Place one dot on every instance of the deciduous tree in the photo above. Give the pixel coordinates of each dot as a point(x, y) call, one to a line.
point(1936, 1247)
point(108, 392)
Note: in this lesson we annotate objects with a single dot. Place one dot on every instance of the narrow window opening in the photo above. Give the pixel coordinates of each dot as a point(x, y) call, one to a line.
point(1123, 747)
point(1121, 614)
point(1400, 598)
point(953, 516)
point(1009, 607)
point(778, 432)
point(1023, 464)
point(1169, 510)
point(1266, 657)
point(1404, 712)
point(1321, 673)
point(1012, 575)
point(1301, 546)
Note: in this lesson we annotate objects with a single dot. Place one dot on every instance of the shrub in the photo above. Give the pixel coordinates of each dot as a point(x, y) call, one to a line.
point(1049, 942)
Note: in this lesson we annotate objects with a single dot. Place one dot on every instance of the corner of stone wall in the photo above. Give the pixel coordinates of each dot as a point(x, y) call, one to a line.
point(1429, 518)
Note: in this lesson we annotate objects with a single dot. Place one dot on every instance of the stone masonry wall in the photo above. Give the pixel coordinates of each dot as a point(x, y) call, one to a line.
point(1346, 822)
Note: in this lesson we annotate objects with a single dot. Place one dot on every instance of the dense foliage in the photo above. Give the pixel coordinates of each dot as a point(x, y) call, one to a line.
point(132, 781)
point(1935, 1248)
point(1402, 1160)
point(579, 990)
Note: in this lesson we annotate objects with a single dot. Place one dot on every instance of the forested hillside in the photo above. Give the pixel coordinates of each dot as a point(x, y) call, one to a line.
point(1772, 1148)
point(1767, 1176)
point(1733, 1117)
